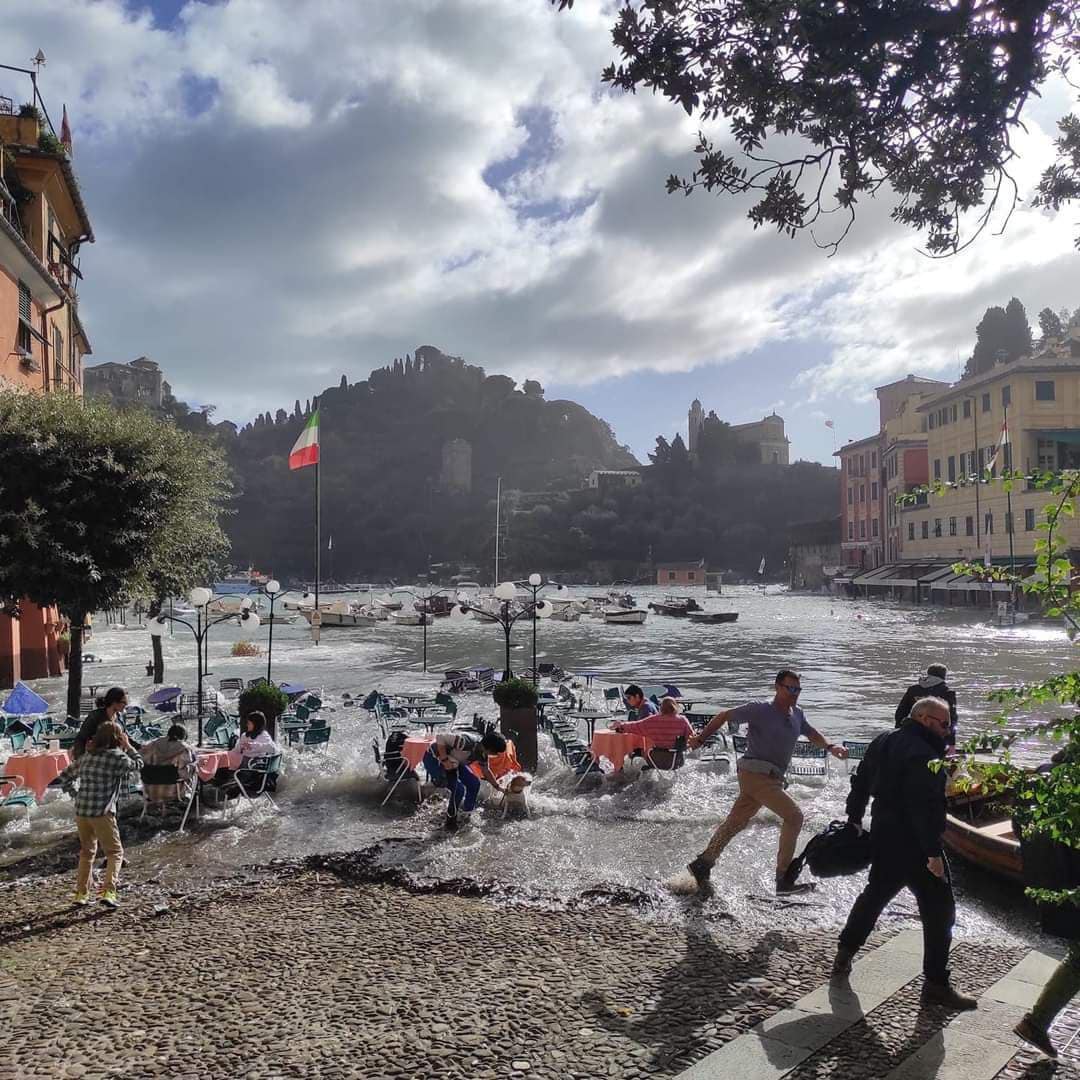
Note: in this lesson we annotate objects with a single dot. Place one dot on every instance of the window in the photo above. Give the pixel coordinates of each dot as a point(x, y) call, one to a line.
point(850, 496)
point(1046, 451)
point(967, 408)
point(952, 526)
point(862, 530)
point(933, 420)
point(690, 575)
point(952, 469)
point(58, 356)
point(982, 459)
point(1044, 391)
point(911, 530)
point(671, 575)
point(988, 523)
point(873, 492)
point(969, 526)
point(1006, 396)
point(851, 530)
point(937, 468)
point(926, 530)
point(986, 402)
point(874, 528)
point(937, 526)
point(862, 493)
point(1006, 457)
point(1029, 520)
point(873, 460)
point(952, 413)
point(1008, 523)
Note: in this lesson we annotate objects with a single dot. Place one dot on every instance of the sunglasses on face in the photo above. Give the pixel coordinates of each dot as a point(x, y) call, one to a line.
point(794, 691)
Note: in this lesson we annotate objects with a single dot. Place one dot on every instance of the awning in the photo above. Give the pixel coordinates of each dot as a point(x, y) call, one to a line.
point(869, 577)
point(1065, 435)
point(22, 701)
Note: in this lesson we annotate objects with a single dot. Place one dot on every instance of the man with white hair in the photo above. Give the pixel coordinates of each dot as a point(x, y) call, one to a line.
point(907, 824)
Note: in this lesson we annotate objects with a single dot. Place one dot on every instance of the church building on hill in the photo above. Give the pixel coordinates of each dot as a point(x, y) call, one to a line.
point(767, 434)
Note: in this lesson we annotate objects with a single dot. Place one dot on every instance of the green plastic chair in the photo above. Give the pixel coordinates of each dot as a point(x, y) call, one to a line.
point(316, 736)
point(13, 792)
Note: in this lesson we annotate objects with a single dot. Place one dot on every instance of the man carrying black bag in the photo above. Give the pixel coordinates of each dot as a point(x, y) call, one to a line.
point(908, 820)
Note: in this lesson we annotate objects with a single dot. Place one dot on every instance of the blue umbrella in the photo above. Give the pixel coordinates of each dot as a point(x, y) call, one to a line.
point(22, 701)
point(292, 689)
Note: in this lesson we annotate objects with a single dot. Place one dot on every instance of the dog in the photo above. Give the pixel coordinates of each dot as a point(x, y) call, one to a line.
point(514, 795)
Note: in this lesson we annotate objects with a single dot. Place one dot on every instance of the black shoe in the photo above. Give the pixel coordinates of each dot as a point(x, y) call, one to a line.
point(700, 871)
point(451, 822)
point(786, 887)
point(1039, 1037)
point(946, 994)
point(841, 966)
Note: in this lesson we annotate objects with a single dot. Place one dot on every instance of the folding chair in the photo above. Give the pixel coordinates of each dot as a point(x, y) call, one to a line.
point(671, 759)
point(808, 760)
point(229, 685)
point(613, 699)
point(13, 792)
point(396, 769)
point(255, 787)
point(162, 775)
point(856, 751)
point(316, 736)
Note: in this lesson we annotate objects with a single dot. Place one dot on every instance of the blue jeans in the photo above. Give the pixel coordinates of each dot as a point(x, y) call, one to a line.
point(463, 783)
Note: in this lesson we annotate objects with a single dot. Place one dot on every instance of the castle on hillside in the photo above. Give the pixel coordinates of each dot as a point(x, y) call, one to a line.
point(767, 434)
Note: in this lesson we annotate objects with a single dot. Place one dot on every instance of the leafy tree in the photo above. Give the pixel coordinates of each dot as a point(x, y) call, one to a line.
point(95, 503)
point(1003, 334)
point(661, 456)
point(923, 96)
point(532, 388)
point(1050, 327)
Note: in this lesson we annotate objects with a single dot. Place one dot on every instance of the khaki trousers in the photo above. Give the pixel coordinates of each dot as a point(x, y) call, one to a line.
point(755, 791)
point(92, 831)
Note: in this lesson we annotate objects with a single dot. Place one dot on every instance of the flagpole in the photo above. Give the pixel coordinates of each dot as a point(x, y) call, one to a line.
point(1007, 441)
point(318, 542)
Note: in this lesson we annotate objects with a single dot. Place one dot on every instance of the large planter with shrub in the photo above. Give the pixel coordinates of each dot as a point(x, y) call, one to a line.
point(266, 698)
point(516, 699)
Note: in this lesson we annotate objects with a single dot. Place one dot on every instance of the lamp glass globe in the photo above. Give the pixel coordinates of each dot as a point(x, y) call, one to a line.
point(544, 610)
point(505, 591)
point(157, 626)
point(245, 604)
point(273, 587)
point(251, 618)
point(459, 612)
point(199, 596)
point(535, 580)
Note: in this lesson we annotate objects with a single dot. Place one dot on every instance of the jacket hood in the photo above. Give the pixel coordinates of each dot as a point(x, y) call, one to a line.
point(928, 682)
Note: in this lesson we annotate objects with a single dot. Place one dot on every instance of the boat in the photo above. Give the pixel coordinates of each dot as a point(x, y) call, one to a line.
point(410, 618)
point(713, 616)
point(339, 613)
point(982, 834)
point(388, 603)
point(250, 581)
point(625, 616)
point(564, 610)
point(678, 606)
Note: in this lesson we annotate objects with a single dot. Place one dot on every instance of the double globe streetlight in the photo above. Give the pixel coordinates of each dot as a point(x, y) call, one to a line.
point(506, 617)
point(200, 598)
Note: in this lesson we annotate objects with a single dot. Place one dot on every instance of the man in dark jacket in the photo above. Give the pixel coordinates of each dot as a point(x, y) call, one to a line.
point(906, 827)
point(932, 684)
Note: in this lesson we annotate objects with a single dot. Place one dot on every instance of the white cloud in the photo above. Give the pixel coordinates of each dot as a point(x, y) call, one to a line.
point(284, 192)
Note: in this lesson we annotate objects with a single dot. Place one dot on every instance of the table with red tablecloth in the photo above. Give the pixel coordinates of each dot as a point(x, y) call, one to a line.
point(415, 746)
point(616, 745)
point(208, 760)
point(38, 769)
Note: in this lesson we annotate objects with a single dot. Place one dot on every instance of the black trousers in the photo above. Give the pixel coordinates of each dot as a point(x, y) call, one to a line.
point(893, 869)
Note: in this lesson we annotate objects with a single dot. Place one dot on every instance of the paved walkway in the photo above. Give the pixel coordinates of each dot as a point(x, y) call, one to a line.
point(852, 1032)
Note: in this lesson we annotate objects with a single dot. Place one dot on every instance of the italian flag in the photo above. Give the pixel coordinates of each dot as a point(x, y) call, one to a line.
point(1002, 443)
point(305, 450)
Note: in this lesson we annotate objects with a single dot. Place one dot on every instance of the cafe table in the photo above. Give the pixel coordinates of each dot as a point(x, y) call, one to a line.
point(208, 759)
point(616, 745)
point(38, 768)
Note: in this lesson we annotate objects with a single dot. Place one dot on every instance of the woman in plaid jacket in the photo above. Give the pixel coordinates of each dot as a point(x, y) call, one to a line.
point(108, 762)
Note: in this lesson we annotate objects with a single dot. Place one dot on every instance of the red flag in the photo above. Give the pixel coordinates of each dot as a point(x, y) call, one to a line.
point(65, 132)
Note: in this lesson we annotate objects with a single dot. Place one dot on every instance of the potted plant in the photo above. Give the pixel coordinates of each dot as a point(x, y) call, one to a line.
point(517, 699)
point(266, 698)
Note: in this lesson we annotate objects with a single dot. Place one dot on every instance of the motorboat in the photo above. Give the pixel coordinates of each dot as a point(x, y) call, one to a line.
point(564, 610)
point(678, 606)
point(410, 618)
point(980, 831)
point(339, 613)
point(625, 616)
point(713, 616)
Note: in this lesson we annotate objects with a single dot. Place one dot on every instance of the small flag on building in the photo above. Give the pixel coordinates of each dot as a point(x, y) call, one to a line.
point(761, 567)
point(829, 423)
point(1002, 443)
point(305, 451)
point(65, 132)
point(330, 544)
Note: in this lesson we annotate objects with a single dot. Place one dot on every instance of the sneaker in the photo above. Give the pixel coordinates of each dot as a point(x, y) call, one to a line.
point(1038, 1036)
point(451, 822)
point(81, 899)
point(700, 871)
point(841, 967)
point(110, 900)
point(946, 994)
point(784, 887)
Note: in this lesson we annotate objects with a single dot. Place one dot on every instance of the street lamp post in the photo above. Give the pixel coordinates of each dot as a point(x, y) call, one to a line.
point(425, 609)
point(200, 599)
point(505, 593)
point(534, 584)
point(271, 590)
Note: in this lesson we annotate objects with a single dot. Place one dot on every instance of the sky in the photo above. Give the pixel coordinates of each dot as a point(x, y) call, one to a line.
point(283, 191)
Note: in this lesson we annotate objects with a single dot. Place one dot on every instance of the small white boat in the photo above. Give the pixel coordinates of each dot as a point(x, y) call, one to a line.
point(339, 613)
point(564, 610)
point(410, 618)
point(625, 616)
point(387, 603)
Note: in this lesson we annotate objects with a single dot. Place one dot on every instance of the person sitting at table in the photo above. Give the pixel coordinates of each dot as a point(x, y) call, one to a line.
point(171, 749)
point(254, 742)
point(447, 762)
point(638, 704)
point(661, 729)
point(108, 707)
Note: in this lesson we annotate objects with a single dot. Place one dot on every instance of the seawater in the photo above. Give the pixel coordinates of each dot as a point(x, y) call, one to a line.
point(855, 659)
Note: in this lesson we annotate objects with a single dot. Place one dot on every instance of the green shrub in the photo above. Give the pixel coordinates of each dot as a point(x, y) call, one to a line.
point(515, 694)
point(264, 698)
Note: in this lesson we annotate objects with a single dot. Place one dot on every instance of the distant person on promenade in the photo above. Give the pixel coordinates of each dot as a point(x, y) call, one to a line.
point(773, 728)
point(638, 704)
point(108, 707)
point(170, 749)
point(932, 684)
point(447, 762)
point(908, 821)
point(109, 760)
point(662, 729)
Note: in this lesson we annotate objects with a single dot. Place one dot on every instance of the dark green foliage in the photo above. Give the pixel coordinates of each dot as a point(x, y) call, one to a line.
point(1002, 335)
point(515, 694)
point(924, 96)
point(1050, 326)
point(48, 142)
point(262, 697)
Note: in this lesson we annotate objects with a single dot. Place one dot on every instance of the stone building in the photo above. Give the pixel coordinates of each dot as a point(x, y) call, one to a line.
point(814, 556)
point(767, 434)
point(455, 474)
point(139, 382)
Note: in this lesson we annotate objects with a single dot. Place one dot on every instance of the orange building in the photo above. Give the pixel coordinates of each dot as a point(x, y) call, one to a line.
point(43, 223)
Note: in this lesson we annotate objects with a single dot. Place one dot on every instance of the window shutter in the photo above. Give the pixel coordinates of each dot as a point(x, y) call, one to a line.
point(24, 303)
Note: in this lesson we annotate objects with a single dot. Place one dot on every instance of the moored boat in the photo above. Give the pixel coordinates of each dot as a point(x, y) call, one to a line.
point(625, 616)
point(983, 836)
point(713, 616)
point(410, 618)
point(338, 613)
point(678, 606)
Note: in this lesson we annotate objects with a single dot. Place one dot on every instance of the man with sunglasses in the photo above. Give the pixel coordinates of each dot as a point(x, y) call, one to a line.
point(907, 823)
point(773, 728)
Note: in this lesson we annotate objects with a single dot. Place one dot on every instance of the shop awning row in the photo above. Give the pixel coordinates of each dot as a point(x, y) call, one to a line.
point(932, 576)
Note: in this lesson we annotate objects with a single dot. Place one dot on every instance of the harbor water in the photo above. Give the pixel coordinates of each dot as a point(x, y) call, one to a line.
point(855, 659)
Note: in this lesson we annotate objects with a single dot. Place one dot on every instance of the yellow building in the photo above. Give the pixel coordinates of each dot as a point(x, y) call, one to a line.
point(1041, 395)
